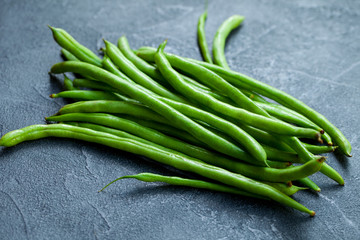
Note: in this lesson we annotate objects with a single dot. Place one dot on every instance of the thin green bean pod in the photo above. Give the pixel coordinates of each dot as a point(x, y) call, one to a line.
point(66, 41)
point(202, 39)
point(179, 181)
point(220, 37)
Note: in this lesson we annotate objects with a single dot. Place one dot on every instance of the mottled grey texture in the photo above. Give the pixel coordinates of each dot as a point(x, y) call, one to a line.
point(48, 188)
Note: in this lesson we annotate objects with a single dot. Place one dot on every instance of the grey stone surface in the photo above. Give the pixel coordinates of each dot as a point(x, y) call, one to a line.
point(48, 188)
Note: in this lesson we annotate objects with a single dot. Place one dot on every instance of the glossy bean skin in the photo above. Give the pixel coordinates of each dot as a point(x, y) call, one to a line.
point(86, 95)
point(66, 41)
point(136, 92)
point(307, 182)
point(250, 118)
point(81, 82)
point(202, 38)
point(68, 55)
point(179, 181)
point(220, 37)
point(169, 158)
point(110, 106)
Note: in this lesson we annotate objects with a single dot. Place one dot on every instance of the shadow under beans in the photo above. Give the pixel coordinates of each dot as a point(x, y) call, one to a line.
point(342, 159)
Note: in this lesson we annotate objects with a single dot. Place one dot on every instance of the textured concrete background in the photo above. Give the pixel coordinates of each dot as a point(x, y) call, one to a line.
point(48, 188)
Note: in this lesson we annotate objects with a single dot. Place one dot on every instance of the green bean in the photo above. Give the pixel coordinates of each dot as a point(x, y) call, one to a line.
point(68, 55)
point(243, 81)
point(202, 39)
point(151, 177)
point(138, 130)
point(165, 157)
point(110, 66)
point(67, 42)
point(153, 72)
point(307, 182)
point(87, 95)
point(220, 37)
point(143, 66)
point(315, 149)
point(68, 84)
point(109, 106)
point(256, 120)
point(285, 188)
point(136, 75)
point(167, 130)
point(80, 82)
point(271, 153)
point(285, 99)
point(288, 115)
point(163, 109)
point(260, 173)
point(136, 110)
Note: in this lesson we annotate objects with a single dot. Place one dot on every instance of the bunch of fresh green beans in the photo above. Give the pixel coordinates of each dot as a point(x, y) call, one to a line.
point(195, 116)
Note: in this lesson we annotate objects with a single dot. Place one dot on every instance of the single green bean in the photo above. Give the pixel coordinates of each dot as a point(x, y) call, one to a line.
point(177, 161)
point(66, 41)
point(110, 106)
point(179, 181)
point(220, 37)
point(68, 84)
point(80, 82)
point(286, 188)
point(202, 39)
point(86, 95)
point(68, 55)
point(307, 182)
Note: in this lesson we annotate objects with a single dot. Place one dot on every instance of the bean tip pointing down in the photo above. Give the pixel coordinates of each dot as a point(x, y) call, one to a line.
point(318, 138)
point(312, 213)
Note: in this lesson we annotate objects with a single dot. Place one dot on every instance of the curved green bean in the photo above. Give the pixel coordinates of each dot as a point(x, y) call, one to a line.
point(68, 55)
point(220, 37)
point(66, 41)
point(202, 39)
point(179, 181)
point(87, 95)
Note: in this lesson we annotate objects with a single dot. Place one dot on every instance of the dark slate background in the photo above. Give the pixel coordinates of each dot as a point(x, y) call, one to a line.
point(48, 188)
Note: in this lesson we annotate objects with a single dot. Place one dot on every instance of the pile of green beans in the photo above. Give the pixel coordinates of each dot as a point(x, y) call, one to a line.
point(195, 116)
